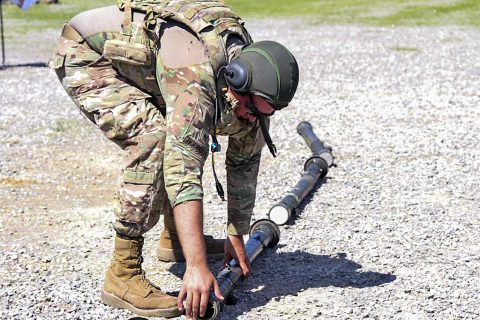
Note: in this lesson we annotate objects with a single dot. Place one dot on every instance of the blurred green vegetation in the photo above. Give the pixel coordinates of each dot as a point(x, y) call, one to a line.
point(44, 16)
point(369, 12)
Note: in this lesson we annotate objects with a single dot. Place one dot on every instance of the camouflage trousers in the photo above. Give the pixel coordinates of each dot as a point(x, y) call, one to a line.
point(127, 117)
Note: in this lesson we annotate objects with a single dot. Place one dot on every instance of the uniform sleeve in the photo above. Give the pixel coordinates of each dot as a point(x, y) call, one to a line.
point(189, 95)
point(243, 161)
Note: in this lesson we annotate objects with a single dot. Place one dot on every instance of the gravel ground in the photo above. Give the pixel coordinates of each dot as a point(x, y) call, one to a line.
point(392, 234)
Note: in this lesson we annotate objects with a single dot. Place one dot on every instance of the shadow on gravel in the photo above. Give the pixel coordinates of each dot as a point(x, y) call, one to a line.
point(275, 275)
point(20, 65)
point(297, 212)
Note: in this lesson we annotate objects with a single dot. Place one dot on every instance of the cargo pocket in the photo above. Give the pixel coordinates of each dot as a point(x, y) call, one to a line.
point(136, 196)
point(138, 177)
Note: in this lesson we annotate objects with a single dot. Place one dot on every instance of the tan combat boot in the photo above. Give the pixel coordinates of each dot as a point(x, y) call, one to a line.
point(170, 250)
point(125, 285)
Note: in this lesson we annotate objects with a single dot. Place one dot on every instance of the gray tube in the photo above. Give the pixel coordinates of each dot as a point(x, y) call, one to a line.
point(315, 167)
point(263, 234)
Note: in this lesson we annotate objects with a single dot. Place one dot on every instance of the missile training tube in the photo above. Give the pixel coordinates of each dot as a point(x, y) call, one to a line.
point(315, 167)
point(263, 234)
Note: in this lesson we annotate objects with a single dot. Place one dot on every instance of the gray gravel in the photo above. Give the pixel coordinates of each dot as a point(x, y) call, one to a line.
point(392, 234)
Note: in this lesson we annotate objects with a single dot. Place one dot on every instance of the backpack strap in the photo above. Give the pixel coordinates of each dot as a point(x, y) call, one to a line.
point(128, 18)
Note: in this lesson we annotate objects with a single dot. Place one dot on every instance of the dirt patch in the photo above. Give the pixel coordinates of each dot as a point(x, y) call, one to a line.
point(16, 182)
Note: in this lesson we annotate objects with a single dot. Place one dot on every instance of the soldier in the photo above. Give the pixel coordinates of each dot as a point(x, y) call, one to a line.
point(159, 77)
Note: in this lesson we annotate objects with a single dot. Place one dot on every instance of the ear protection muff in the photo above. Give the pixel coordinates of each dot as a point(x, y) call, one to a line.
point(238, 76)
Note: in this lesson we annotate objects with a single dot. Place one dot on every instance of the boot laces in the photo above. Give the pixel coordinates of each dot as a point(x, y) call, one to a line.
point(142, 275)
point(140, 271)
point(147, 283)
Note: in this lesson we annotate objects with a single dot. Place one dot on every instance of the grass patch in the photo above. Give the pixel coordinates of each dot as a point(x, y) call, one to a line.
point(451, 39)
point(404, 49)
point(66, 125)
point(44, 16)
point(369, 12)
point(465, 13)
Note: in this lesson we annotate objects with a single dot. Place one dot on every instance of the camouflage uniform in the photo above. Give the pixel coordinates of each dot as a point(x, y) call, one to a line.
point(163, 131)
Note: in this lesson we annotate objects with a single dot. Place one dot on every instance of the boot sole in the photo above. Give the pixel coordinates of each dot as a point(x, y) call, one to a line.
point(176, 255)
point(114, 301)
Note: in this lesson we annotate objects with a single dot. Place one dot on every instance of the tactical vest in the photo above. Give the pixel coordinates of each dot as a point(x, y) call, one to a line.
point(135, 54)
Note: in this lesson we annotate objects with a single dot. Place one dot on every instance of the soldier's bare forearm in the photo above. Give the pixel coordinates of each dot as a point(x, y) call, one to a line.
point(197, 280)
point(189, 221)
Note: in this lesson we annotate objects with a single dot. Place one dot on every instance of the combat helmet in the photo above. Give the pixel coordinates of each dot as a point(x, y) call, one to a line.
point(267, 69)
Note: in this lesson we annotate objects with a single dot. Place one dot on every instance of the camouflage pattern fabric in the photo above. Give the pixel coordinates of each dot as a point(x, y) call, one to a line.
point(190, 96)
point(165, 147)
point(126, 117)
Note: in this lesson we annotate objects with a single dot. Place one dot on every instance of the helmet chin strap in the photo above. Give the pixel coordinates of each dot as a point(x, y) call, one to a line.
point(266, 136)
point(263, 127)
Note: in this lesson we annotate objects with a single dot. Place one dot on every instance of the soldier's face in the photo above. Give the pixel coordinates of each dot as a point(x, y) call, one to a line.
point(262, 106)
point(244, 111)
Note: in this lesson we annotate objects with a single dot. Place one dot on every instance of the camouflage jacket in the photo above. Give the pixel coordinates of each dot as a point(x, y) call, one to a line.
point(187, 97)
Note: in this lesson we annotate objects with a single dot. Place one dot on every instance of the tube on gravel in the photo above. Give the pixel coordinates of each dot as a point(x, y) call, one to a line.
point(315, 167)
point(263, 234)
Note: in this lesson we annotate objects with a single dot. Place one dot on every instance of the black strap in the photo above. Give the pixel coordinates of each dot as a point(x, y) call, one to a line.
point(266, 136)
point(263, 127)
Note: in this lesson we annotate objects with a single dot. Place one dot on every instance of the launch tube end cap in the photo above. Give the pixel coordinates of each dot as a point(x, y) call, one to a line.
point(267, 225)
point(304, 125)
point(279, 215)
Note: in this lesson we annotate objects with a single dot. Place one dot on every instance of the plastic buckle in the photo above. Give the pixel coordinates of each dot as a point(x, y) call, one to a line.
point(215, 147)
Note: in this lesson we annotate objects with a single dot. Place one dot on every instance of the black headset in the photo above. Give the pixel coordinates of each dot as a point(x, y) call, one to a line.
point(238, 76)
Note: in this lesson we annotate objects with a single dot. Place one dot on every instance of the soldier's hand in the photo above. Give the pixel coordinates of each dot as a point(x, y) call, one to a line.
point(197, 282)
point(235, 249)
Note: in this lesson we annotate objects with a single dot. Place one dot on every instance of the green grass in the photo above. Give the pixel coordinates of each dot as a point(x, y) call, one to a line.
point(368, 12)
point(63, 125)
point(44, 16)
point(404, 49)
point(466, 12)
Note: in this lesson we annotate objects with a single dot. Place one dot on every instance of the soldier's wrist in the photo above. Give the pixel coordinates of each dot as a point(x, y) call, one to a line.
point(197, 262)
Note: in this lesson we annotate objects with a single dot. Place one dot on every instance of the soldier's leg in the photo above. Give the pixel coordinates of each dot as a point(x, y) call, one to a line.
point(174, 36)
point(126, 117)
